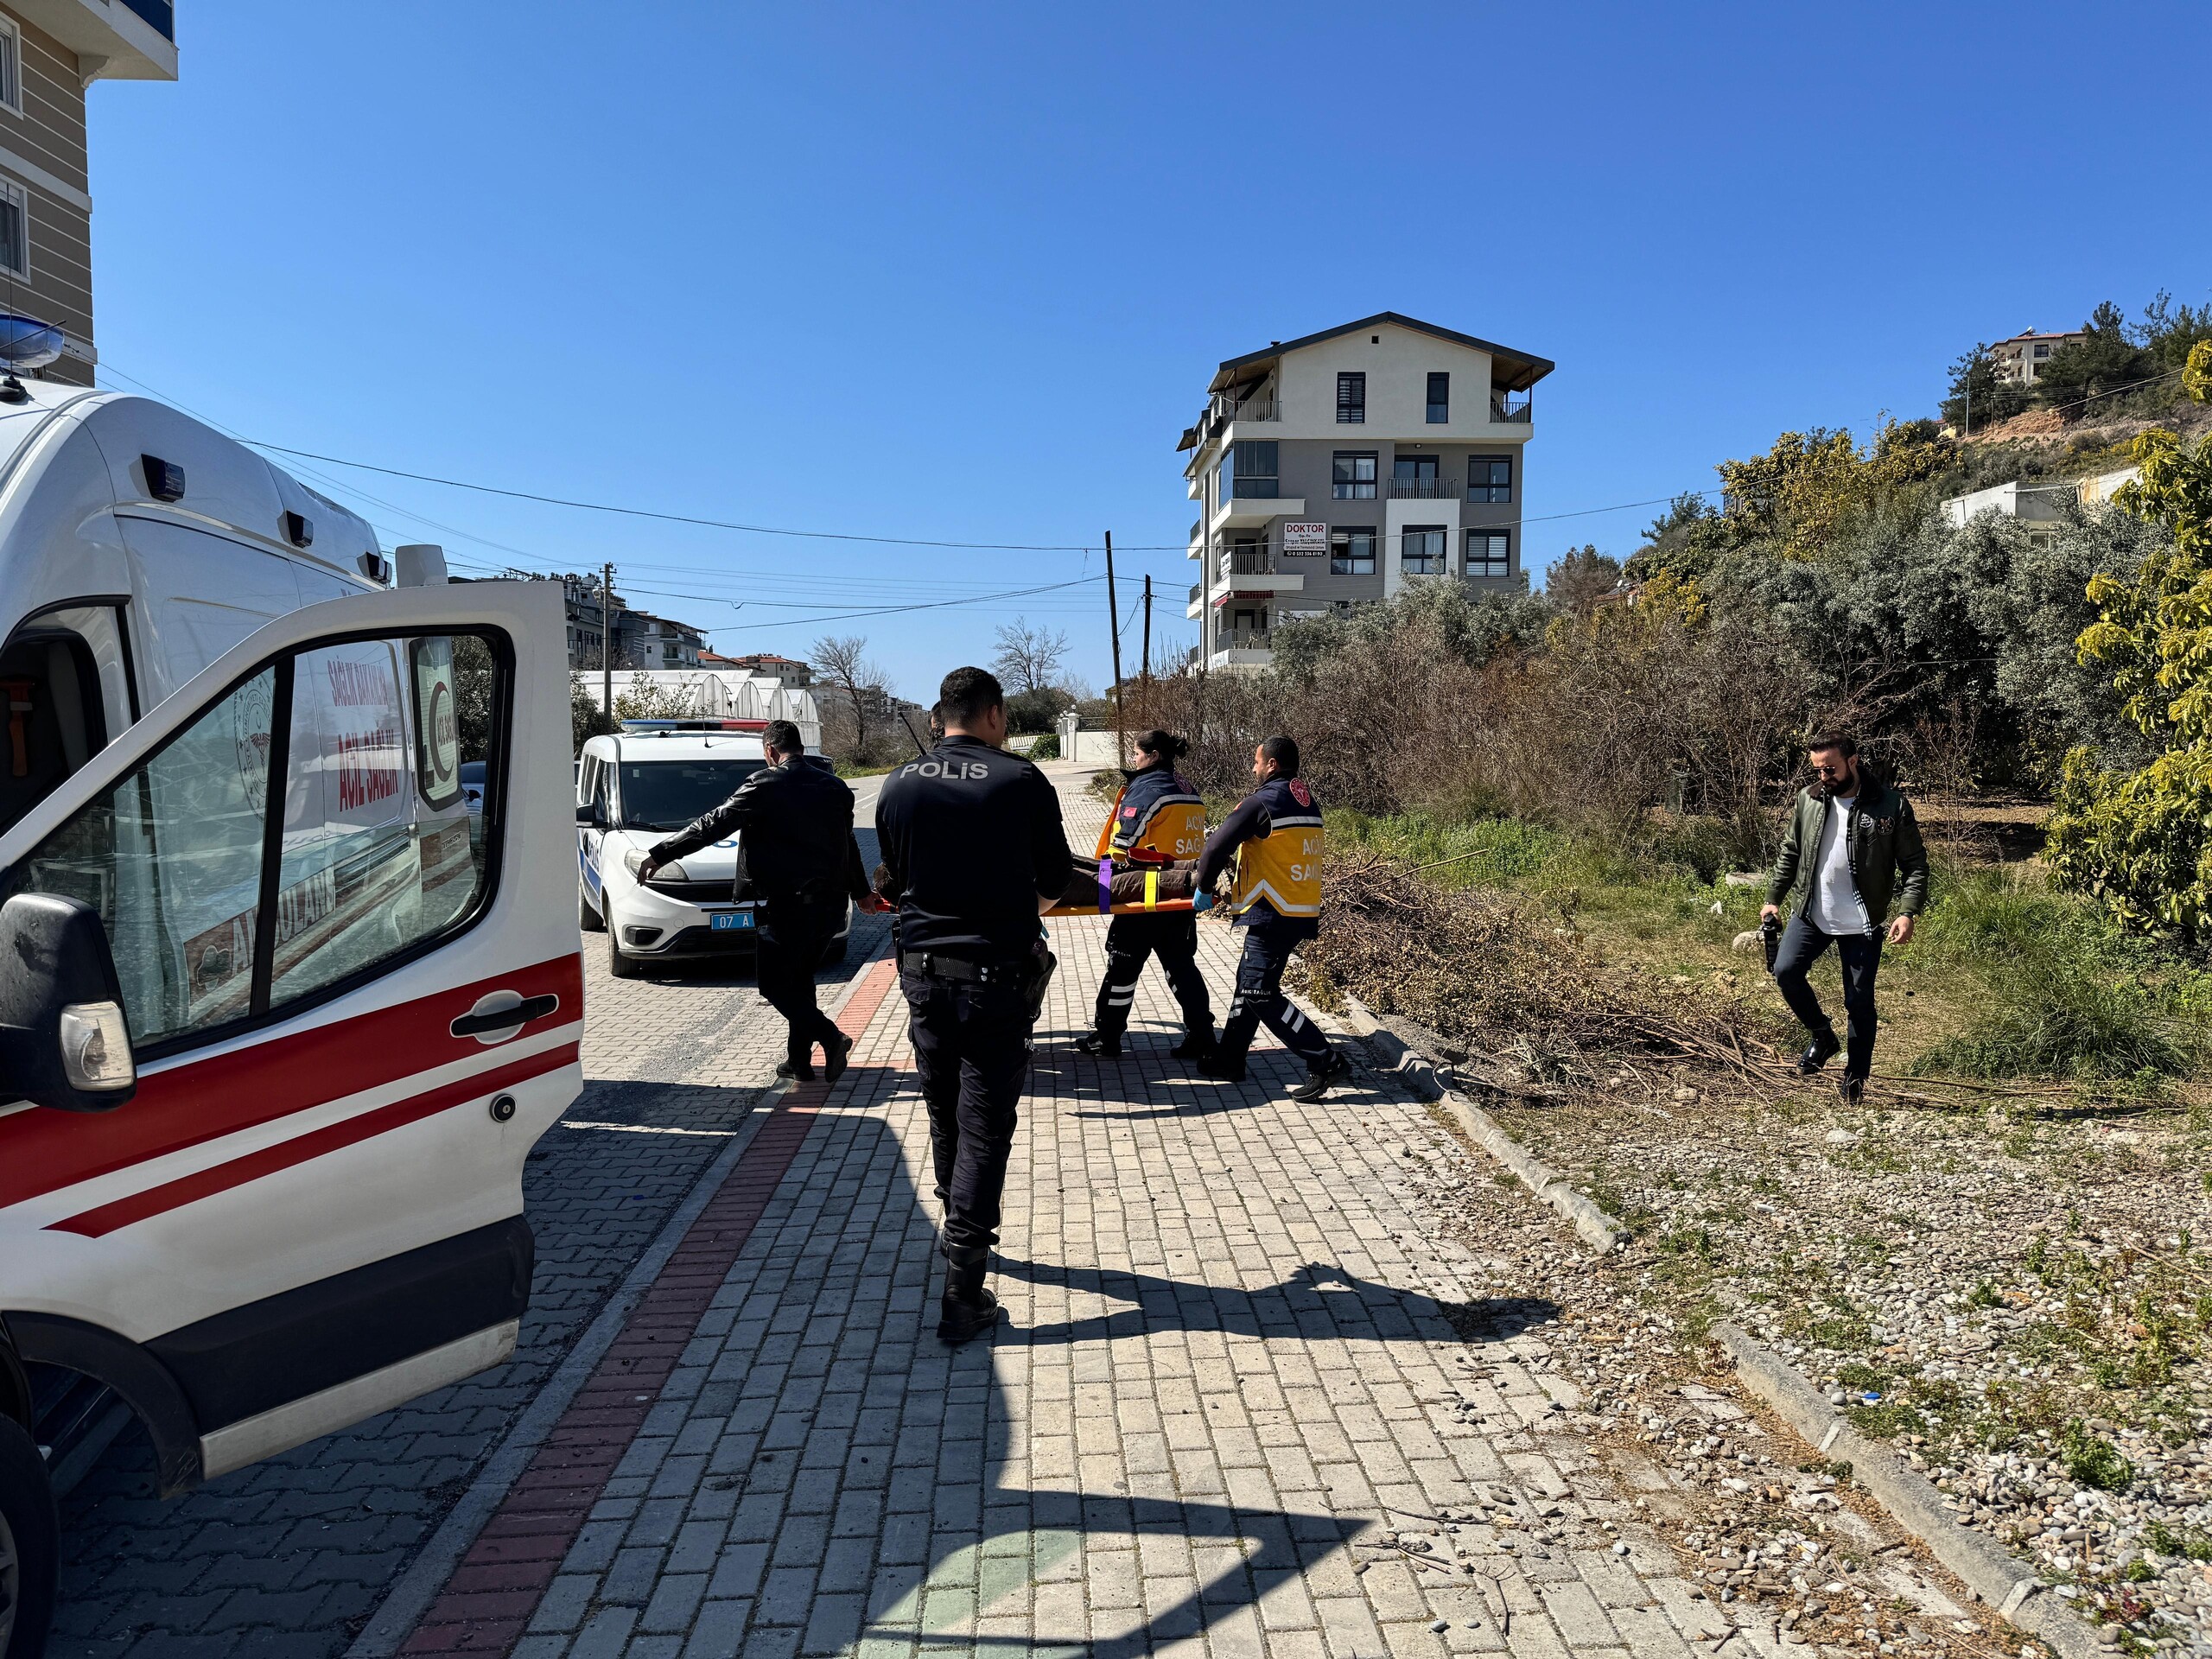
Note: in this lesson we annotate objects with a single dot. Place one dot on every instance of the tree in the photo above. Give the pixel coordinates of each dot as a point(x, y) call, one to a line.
point(648, 700)
point(843, 662)
point(1804, 490)
point(1029, 657)
point(1978, 399)
point(1581, 578)
point(2107, 359)
point(586, 718)
point(2142, 841)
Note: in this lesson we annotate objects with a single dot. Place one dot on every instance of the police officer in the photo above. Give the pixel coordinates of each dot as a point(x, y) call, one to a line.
point(796, 818)
point(1158, 818)
point(973, 854)
point(1274, 838)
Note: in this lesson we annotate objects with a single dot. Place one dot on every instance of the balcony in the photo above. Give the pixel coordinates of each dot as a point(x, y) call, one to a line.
point(1244, 509)
point(1197, 606)
point(1508, 409)
point(1253, 570)
point(1241, 648)
point(1259, 406)
point(133, 40)
point(1422, 489)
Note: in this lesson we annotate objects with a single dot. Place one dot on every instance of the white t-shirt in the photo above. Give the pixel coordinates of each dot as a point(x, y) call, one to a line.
point(1837, 908)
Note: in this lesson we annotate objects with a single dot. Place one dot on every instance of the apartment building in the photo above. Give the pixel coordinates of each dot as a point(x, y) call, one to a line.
point(1337, 468)
point(50, 52)
point(2021, 358)
point(641, 639)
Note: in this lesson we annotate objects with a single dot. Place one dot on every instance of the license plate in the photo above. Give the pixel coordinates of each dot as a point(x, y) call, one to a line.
point(729, 921)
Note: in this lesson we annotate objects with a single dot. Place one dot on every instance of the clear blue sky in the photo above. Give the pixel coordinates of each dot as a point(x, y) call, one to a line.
point(962, 272)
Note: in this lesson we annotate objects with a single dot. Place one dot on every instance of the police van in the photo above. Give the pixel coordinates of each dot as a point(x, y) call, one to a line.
point(280, 1013)
point(634, 789)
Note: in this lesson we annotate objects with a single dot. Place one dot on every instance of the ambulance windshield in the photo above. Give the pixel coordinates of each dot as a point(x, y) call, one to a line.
point(669, 794)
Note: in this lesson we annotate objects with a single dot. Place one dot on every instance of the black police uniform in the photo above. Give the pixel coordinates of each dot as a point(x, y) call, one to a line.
point(971, 840)
point(797, 848)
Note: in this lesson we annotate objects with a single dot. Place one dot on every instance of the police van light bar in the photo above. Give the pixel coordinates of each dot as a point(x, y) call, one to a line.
point(694, 725)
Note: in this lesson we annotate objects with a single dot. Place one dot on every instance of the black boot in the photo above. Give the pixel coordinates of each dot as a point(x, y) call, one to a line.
point(1818, 1052)
point(967, 1309)
point(1096, 1042)
point(800, 1070)
point(1197, 1045)
point(1334, 1070)
point(1221, 1066)
point(1849, 1089)
point(836, 1050)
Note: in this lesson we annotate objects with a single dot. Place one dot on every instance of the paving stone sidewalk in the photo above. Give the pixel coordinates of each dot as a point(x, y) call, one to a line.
point(1235, 1360)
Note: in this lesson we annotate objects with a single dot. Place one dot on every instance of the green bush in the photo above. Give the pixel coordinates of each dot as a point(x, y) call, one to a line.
point(2093, 1462)
point(1047, 748)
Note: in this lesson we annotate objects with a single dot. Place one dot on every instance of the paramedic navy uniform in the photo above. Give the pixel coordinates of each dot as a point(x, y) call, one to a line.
point(1274, 837)
point(972, 839)
point(1159, 819)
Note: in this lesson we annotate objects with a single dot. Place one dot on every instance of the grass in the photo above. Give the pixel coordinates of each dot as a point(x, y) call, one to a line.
point(2005, 977)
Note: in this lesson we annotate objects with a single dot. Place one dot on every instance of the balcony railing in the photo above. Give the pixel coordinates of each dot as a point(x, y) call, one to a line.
point(160, 14)
point(1242, 639)
point(1246, 562)
point(1260, 407)
point(1197, 587)
point(1506, 410)
point(1198, 527)
point(1424, 489)
point(1254, 489)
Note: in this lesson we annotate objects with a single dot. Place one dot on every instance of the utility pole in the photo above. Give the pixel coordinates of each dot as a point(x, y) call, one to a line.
point(1114, 622)
point(606, 638)
point(1144, 668)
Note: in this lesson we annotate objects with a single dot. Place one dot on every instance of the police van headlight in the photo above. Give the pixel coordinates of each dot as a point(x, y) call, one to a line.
point(634, 859)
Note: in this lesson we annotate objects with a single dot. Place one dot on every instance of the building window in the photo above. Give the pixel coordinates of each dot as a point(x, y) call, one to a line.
point(2043, 350)
point(1351, 399)
point(1351, 552)
point(12, 66)
point(1487, 554)
point(1351, 475)
point(1440, 399)
point(1489, 478)
point(15, 230)
point(1422, 551)
point(1247, 472)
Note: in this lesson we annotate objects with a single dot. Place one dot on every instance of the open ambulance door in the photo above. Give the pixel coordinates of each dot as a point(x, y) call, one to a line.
point(280, 1018)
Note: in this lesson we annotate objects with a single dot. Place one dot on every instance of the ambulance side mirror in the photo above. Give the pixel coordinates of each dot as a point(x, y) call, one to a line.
point(63, 1041)
point(591, 816)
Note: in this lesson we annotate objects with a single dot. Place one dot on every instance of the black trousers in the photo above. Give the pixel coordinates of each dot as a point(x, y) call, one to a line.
point(1859, 954)
point(971, 1046)
point(1268, 942)
point(794, 931)
point(1174, 939)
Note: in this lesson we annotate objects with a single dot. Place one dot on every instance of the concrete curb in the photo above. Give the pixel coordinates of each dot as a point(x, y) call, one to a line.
point(1418, 1072)
point(2007, 1584)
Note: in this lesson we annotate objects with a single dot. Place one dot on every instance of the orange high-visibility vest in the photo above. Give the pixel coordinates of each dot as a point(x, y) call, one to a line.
point(1174, 829)
point(1282, 867)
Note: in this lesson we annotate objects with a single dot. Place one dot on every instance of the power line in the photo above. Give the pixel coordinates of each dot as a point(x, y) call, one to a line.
point(882, 610)
point(673, 518)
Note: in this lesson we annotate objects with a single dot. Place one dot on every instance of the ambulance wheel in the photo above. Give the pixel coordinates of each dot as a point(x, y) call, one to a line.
point(30, 1546)
point(618, 965)
point(588, 918)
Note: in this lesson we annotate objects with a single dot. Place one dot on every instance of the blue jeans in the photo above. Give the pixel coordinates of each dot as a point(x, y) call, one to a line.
point(1859, 954)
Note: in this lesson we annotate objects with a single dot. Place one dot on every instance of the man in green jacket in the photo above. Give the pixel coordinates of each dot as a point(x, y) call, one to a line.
point(1851, 837)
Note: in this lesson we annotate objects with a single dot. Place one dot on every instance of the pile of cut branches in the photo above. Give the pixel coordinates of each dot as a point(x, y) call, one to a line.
point(1512, 990)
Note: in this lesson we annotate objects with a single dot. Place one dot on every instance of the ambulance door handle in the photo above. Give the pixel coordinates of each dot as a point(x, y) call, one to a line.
point(530, 1007)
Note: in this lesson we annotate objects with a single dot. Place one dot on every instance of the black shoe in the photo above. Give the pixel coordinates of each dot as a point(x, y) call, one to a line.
point(1195, 1047)
point(1849, 1089)
point(1105, 1047)
point(797, 1071)
point(967, 1309)
point(1334, 1070)
point(1221, 1067)
point(1818, 1052)
point(836, 1051)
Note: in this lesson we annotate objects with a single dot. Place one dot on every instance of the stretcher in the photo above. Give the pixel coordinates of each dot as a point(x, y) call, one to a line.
point(1148, 890)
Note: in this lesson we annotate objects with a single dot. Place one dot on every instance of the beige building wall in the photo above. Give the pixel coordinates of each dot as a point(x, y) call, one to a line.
point(42, 153)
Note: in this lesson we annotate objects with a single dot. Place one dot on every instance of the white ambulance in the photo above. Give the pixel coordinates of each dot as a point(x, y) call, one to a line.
point(633, 788)
point(280, 1012)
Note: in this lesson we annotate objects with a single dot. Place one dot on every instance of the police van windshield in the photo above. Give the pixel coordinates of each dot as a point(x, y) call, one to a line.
point(669, 794)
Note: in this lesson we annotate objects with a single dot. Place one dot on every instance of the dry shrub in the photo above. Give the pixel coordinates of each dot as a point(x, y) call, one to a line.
point(1491, 977)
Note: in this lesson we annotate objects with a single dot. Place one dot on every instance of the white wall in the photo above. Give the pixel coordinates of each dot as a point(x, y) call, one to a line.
point(1397, 373)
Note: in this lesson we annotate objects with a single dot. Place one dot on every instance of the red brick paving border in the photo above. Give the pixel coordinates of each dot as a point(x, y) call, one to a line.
point(485, 1607)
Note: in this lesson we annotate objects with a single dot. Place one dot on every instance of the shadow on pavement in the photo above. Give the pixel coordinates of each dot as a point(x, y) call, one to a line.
point(1302, 1307)
point(989, 1542)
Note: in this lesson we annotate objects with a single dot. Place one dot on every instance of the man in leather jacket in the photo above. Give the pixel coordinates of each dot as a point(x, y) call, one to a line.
point(795, 818)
